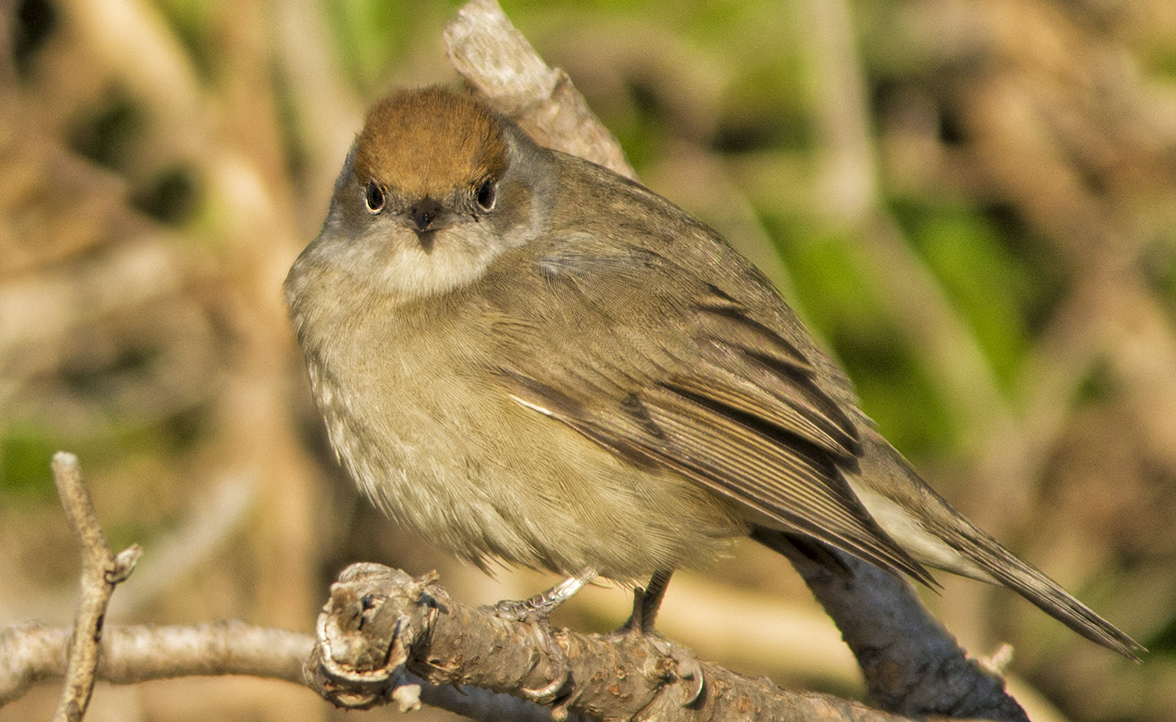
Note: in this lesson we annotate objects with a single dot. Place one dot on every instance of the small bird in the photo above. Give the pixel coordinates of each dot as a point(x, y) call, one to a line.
point(526, 358)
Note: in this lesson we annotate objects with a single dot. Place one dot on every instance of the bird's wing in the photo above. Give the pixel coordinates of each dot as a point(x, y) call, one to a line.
point(666, 369)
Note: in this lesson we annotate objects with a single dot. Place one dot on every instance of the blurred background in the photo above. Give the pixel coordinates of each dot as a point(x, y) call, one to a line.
point(972, 203)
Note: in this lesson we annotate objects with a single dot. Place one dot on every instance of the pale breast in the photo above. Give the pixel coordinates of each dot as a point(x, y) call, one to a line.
point(431, 436)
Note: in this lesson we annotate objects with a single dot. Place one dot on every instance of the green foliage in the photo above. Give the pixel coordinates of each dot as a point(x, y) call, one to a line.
point(193, 22)
point(992, 287)
point(374, 37)
point(1159, 269)
point(25, 452)
point(764, 109)
point(1162, 62)
point(368, 33)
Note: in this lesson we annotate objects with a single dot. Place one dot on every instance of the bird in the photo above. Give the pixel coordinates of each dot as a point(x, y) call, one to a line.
point(530, 360)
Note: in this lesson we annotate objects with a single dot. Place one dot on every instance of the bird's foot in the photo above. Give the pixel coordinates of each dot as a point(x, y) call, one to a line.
point(543, 604)
point(536, 613)
point(646, 603)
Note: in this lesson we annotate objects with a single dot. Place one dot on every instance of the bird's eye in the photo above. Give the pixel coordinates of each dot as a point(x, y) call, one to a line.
point(373, 196)
point(487, 194)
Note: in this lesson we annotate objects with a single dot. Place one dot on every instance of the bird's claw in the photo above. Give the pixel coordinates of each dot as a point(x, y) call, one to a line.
point(535, 612)
point(689, 669)
point(536, 616)
point(562, 670)
point(515, 610)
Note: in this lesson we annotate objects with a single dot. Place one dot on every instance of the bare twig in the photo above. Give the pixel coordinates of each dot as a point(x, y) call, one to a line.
point(101, 571)
point(498, 61)
point(377, 615)
point(129, 655)
point(134, 654)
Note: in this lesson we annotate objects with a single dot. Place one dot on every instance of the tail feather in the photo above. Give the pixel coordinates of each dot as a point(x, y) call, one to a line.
point(939, 536)
point(1048, 595)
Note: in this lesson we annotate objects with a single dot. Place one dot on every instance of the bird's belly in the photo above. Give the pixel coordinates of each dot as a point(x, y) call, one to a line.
point(487, 478)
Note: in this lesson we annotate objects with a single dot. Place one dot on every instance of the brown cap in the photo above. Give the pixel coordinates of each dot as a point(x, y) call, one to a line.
point(426, 142)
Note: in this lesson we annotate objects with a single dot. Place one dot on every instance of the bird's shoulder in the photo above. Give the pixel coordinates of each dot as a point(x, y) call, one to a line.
point(599, 313)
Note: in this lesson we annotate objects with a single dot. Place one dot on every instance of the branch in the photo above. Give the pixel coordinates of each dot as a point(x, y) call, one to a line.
point(101, 571)
point(495, 58)
point(133, 654)
point(911, 664)
point(380, 619)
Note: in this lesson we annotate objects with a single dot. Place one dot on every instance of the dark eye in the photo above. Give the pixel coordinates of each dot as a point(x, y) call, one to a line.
point(486, 195)
point(373, 196)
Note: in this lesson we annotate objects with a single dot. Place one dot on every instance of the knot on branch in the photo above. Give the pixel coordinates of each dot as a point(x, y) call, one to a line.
point(367, 632)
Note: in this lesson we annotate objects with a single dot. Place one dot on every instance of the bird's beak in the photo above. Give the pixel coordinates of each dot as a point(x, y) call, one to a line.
point(425, 215)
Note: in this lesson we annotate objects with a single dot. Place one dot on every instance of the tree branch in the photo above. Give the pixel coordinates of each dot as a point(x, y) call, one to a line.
point(495, 58)
point(133, 654)
point(455, 658)
point(101, 571)
point(912, 665)
point(380, 620)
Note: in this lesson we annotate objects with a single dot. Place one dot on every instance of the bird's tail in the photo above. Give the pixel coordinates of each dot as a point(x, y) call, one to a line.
point(937, 535)
point(1048, 595)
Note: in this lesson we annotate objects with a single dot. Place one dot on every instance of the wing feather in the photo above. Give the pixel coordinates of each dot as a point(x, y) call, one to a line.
point(690, 381)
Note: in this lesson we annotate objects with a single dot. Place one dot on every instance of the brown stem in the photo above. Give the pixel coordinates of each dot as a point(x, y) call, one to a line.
point(101, 572)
